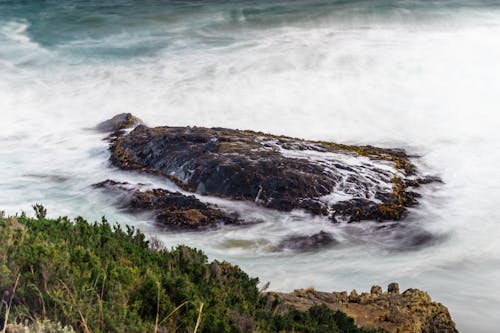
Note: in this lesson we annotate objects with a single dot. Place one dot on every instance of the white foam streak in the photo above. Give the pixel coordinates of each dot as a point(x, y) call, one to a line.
point(17, 31)
point(375, 175)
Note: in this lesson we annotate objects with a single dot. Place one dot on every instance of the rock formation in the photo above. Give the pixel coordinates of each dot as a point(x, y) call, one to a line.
point(171, 209)
point(413, 311)
point(118, 123)
point(307, 243)
point(345, 183)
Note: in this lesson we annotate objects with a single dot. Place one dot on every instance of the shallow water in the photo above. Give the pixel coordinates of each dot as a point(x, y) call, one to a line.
point(420, 75)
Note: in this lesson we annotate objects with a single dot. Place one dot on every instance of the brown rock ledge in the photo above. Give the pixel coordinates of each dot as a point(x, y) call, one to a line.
point(412, 311)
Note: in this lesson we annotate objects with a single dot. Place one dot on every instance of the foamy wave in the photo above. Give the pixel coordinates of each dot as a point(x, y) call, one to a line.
point(18, 32)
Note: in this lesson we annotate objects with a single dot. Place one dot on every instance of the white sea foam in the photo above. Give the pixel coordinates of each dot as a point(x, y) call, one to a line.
point(371, 175)
point(17, 31)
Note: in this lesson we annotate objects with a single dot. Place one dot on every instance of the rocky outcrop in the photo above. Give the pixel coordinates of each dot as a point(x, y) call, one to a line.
point(345, 183)
point(413, 311)
point(171, 209)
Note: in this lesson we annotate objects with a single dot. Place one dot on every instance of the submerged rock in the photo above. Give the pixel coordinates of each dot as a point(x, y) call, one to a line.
point(171, 209)
point(308, 243)
point(413, 311)
point(346, 183)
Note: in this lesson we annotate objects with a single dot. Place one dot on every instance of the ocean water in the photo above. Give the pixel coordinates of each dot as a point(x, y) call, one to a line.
point(419, 75)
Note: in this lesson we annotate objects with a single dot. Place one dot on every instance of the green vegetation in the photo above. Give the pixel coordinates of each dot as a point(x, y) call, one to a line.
point(102, 278)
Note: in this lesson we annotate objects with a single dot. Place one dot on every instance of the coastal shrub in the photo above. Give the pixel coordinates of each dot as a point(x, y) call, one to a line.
point(40, 211)
point(98, 277)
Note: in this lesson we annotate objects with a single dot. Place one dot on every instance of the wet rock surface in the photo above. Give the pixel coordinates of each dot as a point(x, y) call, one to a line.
point(345, 183)
point(118, 124)
point(308, 243)
point(173, 210)
point(413, 311)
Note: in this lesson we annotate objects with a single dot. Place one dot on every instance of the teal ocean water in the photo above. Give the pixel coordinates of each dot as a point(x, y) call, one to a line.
point(420, 75)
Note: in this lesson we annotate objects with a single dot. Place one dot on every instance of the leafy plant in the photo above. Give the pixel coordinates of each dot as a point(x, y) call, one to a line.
point(98, 277)
point(40, 211)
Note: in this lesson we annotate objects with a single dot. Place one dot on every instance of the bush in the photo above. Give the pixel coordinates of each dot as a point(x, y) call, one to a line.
point(96, 277)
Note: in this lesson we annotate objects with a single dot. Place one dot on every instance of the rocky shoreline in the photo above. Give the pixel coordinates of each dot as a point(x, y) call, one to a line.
point(341, 183)
point(110, 266)
point(412, 311)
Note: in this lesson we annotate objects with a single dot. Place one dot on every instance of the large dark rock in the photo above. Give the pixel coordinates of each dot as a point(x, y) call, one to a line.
point(346, 183)
point(171, 209)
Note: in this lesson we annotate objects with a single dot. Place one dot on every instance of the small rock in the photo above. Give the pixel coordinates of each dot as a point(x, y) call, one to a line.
point(353, 296)
point(341, 297)
point(118, 123)
point(171, 209)
point(376, 290)
point(307, 243)
point(393, 288)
